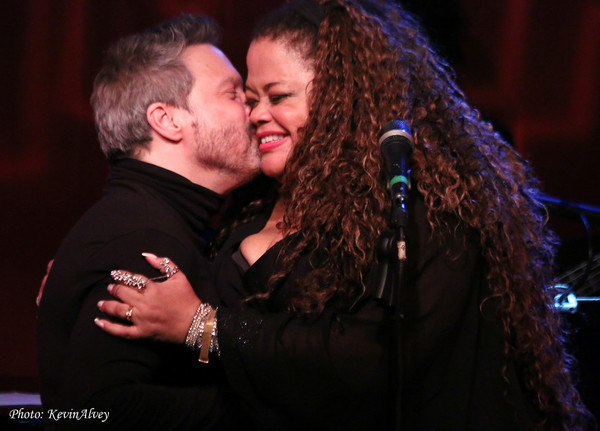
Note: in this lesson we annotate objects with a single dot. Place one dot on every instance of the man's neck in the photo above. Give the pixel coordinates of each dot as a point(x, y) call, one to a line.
point(213, 179)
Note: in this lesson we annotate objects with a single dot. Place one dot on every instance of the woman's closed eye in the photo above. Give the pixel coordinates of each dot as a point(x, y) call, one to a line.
point(273, 99)
point(276, 98)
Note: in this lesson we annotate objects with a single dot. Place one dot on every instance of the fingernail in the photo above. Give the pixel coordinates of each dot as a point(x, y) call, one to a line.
point(110, 287)
point(99, 322)
point(149, 255)
point(100, 304)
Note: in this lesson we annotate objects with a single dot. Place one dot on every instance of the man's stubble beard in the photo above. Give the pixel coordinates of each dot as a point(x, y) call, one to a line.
point(228, 149)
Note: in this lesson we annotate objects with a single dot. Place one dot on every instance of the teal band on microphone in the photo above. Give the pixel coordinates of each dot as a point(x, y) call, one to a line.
point(399, 179)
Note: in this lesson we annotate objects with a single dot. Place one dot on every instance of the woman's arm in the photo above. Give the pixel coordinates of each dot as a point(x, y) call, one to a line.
point(303, 368)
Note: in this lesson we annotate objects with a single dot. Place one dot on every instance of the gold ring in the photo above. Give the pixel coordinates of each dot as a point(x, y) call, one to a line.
point(129, 314)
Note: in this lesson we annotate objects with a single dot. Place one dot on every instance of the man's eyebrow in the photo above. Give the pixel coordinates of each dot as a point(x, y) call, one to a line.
point(230, 80)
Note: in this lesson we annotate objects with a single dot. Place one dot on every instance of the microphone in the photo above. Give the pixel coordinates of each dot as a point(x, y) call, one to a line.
point(396, 145)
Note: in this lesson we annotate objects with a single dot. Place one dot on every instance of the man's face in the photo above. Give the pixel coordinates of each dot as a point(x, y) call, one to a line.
point(220, 125)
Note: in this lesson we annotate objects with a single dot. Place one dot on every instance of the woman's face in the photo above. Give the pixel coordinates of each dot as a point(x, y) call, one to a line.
point(277, 92)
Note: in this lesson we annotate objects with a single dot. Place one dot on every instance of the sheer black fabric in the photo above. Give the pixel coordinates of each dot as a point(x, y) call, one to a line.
point(336, 371)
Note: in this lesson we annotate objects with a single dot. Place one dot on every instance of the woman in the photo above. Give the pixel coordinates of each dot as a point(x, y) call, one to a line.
point(481, 343)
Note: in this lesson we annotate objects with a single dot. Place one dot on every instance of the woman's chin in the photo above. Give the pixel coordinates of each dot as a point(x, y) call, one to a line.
point(275, 172)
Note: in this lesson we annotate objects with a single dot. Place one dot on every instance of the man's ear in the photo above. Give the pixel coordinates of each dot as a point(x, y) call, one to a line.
point(165, 120)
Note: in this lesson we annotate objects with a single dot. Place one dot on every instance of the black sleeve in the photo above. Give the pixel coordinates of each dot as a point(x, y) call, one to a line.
point(316, 372)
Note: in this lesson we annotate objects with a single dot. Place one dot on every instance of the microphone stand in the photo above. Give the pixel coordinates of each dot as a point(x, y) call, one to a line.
point(396, 144)
point(391, 253)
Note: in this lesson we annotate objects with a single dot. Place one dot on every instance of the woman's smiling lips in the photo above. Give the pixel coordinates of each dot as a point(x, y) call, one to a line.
point(269, 140)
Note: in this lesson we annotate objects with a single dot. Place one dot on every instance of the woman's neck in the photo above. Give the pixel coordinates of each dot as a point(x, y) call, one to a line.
point(278, 211)
point(254, 246)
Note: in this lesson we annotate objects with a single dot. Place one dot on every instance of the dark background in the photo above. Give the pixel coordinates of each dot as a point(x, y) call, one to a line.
point(531, 66)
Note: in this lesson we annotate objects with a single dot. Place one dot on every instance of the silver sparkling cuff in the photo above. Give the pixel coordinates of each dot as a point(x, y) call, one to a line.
point(195, 338)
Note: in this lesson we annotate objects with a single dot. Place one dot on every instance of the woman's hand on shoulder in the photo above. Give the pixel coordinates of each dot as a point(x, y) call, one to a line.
point(161, 311)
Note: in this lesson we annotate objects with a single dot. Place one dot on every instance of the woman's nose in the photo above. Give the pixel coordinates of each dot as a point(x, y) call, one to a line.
point(259, 114)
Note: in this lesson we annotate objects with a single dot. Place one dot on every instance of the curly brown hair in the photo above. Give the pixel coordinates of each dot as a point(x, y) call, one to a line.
point(373, 63)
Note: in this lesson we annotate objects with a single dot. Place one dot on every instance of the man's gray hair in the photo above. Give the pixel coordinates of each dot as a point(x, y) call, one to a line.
point(142, 69)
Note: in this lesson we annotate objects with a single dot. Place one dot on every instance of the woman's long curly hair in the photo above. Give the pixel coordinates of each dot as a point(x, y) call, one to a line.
point(372, 63)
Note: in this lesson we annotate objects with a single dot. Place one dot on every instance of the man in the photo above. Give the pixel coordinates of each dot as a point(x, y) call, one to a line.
point(171, 118)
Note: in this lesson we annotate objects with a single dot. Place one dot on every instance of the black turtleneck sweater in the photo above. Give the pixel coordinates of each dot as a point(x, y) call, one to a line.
point(142, 385)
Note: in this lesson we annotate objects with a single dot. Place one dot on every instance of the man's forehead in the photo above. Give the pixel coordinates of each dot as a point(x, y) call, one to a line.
point(209, 61)
point(205, 54)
